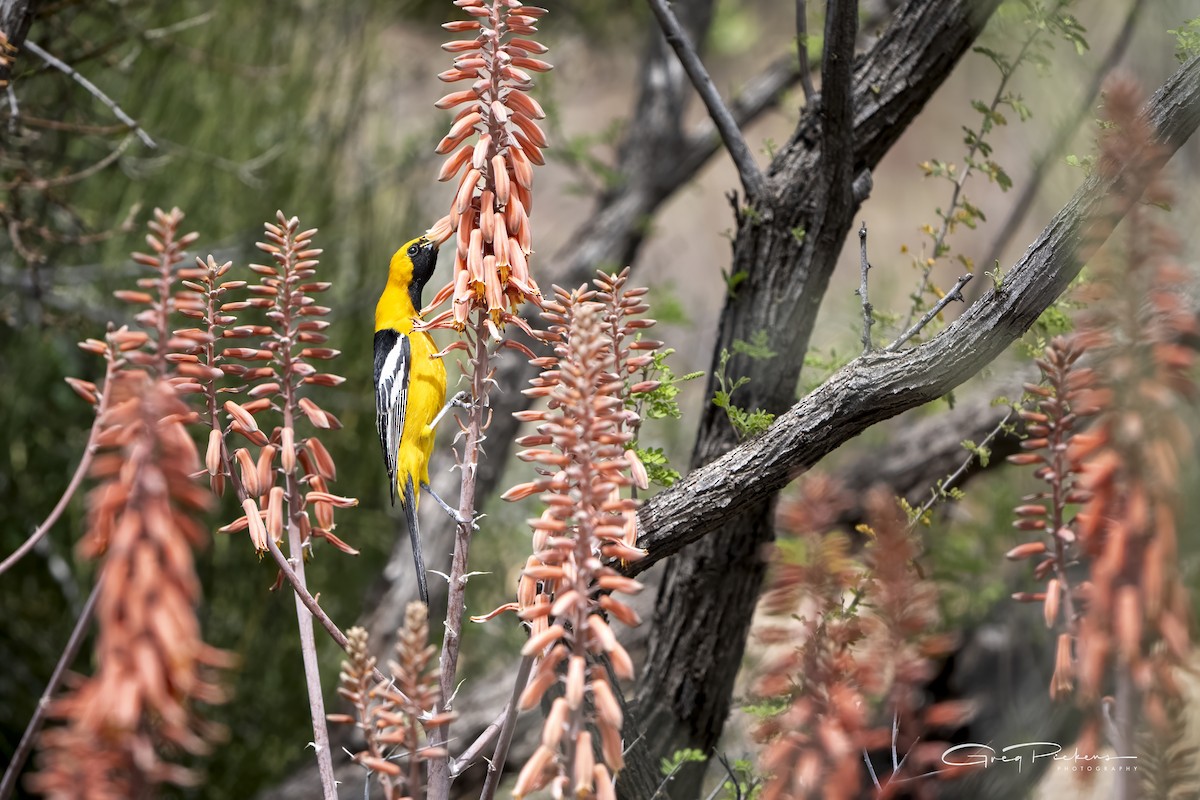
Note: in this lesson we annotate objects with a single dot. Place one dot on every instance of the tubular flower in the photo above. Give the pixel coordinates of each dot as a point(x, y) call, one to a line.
point(123, 722)
point(491, 147)
point(569, 585)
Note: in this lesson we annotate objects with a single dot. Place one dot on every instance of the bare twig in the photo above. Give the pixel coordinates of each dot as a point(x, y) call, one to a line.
point(968, 161)
point(509, 724)
point(939, 492)
point(182, 25)
point(85, 463)
point(863, 267)
point(661, 790)
point(41, 184)
point(955, 293)
point(802, 51)
point(92, 89)
point(314, 607)
point(9, 784)
point(481, 743)
point(14, 109)
point(880, 386)
point(733, 780)
point(752, 178)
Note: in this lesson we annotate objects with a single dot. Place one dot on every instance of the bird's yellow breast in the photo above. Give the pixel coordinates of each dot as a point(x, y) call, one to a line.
point(426, 396)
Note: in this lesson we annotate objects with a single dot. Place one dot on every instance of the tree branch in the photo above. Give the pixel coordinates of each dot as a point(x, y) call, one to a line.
point(496, 765)
point(93, 90)
point(15, 18)
point(955, 293)
point(788, 252)
point(864, 267)
point(802, 51)
point(881, 385)
point(89, 452)
point(748, 171)
point(837, 98)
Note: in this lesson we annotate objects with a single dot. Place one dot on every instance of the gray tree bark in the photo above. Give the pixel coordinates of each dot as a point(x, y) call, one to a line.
point(15, 18)
point(786, 248)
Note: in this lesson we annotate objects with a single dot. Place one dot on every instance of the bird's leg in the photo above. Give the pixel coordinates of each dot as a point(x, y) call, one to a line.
point(454, 515)
point(459, 400)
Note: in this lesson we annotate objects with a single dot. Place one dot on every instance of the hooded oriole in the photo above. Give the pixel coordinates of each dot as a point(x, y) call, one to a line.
point(410, 385)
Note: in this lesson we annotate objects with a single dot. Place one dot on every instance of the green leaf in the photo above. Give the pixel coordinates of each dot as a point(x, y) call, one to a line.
point(669, 766)
point(747, 424)
point(658, 467)
point(733, 281)
point(1187, 39)
point(756, 349)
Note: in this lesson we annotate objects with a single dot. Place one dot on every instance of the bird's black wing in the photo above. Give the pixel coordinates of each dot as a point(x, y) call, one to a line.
point(393, 357)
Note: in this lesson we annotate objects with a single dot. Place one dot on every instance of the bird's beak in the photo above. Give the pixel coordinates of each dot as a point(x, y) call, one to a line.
point(429, 246)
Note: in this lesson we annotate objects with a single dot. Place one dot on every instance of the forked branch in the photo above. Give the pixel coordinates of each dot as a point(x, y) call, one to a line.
point(882, 385)
point(752, 178)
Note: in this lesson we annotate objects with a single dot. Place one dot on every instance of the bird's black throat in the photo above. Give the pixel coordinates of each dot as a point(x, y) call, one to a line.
point(423, 263)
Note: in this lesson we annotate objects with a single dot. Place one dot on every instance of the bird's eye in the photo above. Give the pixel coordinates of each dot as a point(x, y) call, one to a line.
point(412, 251)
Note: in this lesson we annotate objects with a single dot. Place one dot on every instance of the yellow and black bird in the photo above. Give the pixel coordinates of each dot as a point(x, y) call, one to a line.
point(410, 386)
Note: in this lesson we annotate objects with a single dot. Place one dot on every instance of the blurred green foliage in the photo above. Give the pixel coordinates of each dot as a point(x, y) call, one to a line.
point(322, 110)
point(254, 107)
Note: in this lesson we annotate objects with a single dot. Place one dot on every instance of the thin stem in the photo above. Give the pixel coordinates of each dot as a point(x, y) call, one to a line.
point(1059, 489)
point(507, 727)
point(1062, 137)
point(484, 740)
point(940, 240)
point(752, 179)
point(312, 671)
point(440, 776)
point(863, 267)
point(92, 89)
point(802, 51)
point(9, 783)
point(295, 508)
point(14, 110)
point(954, 477)
point(42, 184)
point(1126, 786)
point(85, 463)
point(310, 602)
point(954, 294)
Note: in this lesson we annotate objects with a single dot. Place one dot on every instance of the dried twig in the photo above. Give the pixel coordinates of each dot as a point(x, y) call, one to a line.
point(940, 492)
point(41, 184)
point(92, 89)
point(802, 51)
point(863, 267)
point(955, 293)
point(9, 783)
point(89, 451)
point(508, 725)
point(310, 602)
point(753, 182)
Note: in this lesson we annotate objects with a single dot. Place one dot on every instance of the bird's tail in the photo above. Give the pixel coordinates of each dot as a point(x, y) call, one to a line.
point(414, 533)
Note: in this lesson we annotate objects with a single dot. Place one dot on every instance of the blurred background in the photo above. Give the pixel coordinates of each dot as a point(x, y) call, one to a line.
point(324, 110)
